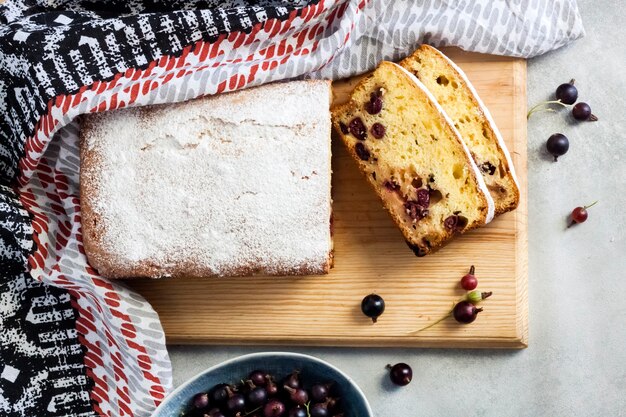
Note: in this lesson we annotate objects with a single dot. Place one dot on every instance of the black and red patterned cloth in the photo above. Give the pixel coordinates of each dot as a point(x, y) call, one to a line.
point(71, 342)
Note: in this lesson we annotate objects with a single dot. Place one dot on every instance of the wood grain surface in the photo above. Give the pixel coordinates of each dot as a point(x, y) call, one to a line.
point(371, 256)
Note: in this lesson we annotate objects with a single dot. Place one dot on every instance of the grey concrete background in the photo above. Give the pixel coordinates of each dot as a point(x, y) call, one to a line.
point(576, 362)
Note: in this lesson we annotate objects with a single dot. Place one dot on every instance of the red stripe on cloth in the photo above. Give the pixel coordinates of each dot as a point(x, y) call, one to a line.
point(120, 315)
point(252, 36)
point(95, 350)
point(135, 346)
point(170, 64)
point(102, 88)
point(77, 99)
point(112, 303)
point(123, 393)
point(288, 22)
point(148, 70)
point(137, 74)
point(158, 395)
point(130, 335)
point(67, 103)
point(125, 409)
point(150, 377)
point(92, 361)
point(204, 51)
point(102, 283)
point(85, 327)
point(61, 242)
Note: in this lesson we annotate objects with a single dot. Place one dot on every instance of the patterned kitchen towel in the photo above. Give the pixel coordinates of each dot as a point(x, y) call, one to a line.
point(72, 343)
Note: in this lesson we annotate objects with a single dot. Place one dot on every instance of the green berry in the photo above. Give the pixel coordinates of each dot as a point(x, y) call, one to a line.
point(477, 296)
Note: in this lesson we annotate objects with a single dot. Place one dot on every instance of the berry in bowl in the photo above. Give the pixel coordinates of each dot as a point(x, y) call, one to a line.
point(272, 384)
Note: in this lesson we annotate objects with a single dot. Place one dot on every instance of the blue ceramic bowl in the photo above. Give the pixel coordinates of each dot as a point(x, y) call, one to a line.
point(276, 363)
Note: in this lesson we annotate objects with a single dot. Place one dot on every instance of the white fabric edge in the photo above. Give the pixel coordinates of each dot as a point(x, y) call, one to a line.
point(491, 208)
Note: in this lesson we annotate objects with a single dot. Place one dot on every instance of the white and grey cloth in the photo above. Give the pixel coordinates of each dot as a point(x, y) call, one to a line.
point(72, 343)
point(391, 29)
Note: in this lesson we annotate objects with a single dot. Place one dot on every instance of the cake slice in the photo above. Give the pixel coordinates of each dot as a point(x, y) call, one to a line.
point(414, 158)
point(470, 116)
point(228, 185)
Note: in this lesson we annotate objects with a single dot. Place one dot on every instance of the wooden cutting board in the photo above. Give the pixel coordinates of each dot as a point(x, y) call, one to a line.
point(371, 256)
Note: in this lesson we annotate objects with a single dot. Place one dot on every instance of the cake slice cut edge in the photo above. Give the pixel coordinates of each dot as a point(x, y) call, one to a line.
point(413, 157)
point(455, 93)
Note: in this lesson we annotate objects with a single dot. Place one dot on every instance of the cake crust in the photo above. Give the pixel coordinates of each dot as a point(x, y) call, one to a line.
point(229, 185)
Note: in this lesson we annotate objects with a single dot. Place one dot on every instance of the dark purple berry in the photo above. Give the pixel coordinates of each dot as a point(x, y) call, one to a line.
point(362, 151)
point(236, 403)
point(375, 105)
point(319, 410)
point(343, 128)
point(257, 378)
point(391, 185)
point(567, 93)
point(297, 396)
point(201, 400)
point(298, 411)
point(333, 404)
point(257, 396)
point(215, 412)
point(582, 111)
point(400, 374)
point(557, 145)
point(488, 167)
point(372, 306)
point(415, 210)
point(451, 222)
point(378, 130)
point(465, 312)
point(219, 393)
point(270, 386)
point(292, 380)
point(319, 392)
point(274, 408)
point(423, 197)
point(358, 129)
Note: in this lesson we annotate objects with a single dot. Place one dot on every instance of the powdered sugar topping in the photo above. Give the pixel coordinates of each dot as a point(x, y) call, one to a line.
point(222, 185)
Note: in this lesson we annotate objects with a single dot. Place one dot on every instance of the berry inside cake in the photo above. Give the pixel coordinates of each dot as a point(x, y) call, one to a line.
point(457, 97)
point(413, 157)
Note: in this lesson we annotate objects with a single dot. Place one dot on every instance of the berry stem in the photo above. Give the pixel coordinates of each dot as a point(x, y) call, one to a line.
point(538, 108)
point(252, 411)
point(433, 323)
point(591, 205)
point(472, 270)
point(306, 406)
point(592, 118)
point(572, 81)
